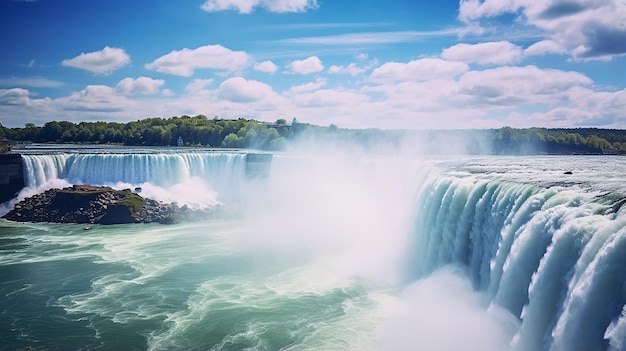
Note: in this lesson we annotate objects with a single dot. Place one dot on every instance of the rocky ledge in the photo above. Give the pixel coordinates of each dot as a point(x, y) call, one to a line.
point(95, 205)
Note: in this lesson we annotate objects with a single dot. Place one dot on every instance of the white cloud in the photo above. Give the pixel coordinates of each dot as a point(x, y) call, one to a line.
point(248, 6)
point(477, 99)
point(544, 47)
point(328, 98)
point(104, 61)
point(590, 109)
point(141, 85)
point(95, 98)
point(15, 96)
point(184, 62)
point(352, 69)
point(239, 89)
point(198, 85)
point(512, 86)
point(470, 10)
point(499, 52)
point(309, 65)
point(586, 29)
point(266, 66)
point(310, 86)
point(418, 70)
point(419, 96)
point(609, 104)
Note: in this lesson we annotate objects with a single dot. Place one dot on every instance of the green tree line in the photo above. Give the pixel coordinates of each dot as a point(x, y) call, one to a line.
point(194, 131)
point(247, 133)
point(560, 141)
point(499, 141)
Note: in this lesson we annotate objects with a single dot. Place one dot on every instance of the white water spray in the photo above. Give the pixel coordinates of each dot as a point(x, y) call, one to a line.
point(542, 266)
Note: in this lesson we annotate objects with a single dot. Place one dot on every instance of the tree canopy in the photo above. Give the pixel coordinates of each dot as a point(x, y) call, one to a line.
point(247, 133)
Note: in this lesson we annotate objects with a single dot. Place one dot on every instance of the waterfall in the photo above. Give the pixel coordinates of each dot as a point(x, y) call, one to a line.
point(163, 169)
point(199, 176)
point(547, 251)
point(553, 257)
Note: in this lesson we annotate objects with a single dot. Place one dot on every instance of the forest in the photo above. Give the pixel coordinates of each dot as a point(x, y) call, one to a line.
point(201, 131)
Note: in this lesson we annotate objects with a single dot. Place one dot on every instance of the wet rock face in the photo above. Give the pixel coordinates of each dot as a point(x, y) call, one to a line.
point(94, 205)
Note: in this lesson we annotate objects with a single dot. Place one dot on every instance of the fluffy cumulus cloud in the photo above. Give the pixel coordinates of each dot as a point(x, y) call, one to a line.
point(238, 89)
point(311, 64)
point(15, 96)
point(544, 47)
point(248, 6)
point(198, 85)
point(104, 61)
point(596, 109)
point(463, 98)
point(514, 86)
point(184, 62)
point(587, 29)
point(310, 86)
point(266, 66)
point(418, 70)
point(141, 86)
point(94, 98)
point(490, 53)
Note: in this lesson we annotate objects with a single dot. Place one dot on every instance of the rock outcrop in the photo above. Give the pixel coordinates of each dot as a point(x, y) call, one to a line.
point(95, 205)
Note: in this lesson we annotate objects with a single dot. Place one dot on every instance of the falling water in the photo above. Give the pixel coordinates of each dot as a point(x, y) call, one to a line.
point(329, 252)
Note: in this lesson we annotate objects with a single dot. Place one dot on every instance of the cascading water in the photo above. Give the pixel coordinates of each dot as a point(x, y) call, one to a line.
point(194, 178)
point(330, 252)
point(553, 257)
point(164, 169)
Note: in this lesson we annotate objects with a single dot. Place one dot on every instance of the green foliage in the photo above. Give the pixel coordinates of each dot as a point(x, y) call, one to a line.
point(197, 131)
point(243, 133)
point(232, 140)
point(558, 141)
point(133, 201)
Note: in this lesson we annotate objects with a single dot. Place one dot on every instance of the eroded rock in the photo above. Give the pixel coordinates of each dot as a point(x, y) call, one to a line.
point(95, 205)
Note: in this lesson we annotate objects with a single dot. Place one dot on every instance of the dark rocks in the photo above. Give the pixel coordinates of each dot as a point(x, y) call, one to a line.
point(95, 205)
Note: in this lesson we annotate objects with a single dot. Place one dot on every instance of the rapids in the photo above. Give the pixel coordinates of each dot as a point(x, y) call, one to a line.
point(331, 251)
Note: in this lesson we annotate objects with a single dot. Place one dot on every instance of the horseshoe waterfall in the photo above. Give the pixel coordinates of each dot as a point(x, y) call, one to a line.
point(325, 251)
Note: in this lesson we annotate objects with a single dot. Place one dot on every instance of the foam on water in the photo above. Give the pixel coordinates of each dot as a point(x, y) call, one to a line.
point(198, 179)
point(333, 252)
point(545, 252)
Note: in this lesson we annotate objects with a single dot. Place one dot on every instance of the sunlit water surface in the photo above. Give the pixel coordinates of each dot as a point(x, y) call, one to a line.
point(334, 255)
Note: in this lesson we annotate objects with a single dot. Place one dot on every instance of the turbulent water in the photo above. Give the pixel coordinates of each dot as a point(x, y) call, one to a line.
point(329, 252)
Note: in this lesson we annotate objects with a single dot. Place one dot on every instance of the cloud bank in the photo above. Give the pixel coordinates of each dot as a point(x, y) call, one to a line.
point(586, 29)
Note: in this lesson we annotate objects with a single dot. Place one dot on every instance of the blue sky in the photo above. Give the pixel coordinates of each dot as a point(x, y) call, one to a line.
point(357, 64)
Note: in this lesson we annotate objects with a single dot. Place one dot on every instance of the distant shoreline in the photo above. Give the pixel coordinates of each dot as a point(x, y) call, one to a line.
point(200, 131)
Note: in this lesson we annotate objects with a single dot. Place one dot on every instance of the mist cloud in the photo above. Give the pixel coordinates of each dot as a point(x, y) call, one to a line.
point(443, 312)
